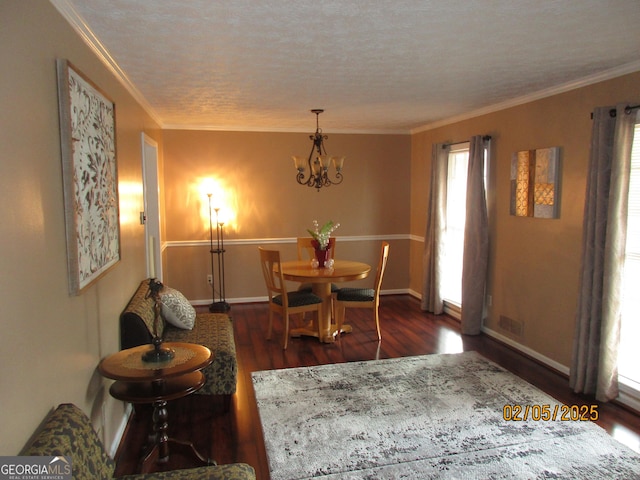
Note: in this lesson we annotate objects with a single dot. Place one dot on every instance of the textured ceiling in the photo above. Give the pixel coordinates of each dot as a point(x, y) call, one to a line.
point(373, 65)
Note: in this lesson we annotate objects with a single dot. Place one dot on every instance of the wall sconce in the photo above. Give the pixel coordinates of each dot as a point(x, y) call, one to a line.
point(318, 166)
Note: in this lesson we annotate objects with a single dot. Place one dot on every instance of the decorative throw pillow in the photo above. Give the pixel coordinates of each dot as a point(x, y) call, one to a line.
point(176, 309)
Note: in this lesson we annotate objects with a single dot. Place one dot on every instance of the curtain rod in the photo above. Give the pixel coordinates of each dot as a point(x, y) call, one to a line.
point(486, 138)
point(627, 110)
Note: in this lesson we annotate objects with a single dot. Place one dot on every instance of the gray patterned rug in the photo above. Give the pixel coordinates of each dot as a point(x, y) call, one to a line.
point(432, 416)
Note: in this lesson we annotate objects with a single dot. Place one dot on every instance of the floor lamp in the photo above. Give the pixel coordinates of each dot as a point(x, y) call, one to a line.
point(221, 305)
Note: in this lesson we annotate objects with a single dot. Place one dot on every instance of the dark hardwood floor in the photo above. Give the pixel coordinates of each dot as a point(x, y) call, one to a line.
point(236, 436)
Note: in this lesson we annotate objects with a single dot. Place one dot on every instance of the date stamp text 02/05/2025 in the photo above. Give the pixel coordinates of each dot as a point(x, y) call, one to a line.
point(546, 412)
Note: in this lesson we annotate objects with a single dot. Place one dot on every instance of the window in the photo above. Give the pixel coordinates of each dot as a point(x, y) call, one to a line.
point(455, 219)
point(453, 241)
point(629, 353)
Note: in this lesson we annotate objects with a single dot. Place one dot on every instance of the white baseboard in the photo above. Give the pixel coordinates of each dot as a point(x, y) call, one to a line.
point(629, 398)
point(517, 346)
point(121, 429)
point(231, 301)
point(413, 293)
point(527, 351)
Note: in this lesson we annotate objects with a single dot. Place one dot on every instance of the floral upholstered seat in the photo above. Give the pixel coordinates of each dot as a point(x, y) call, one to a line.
point(68, 432)
point(213, 330)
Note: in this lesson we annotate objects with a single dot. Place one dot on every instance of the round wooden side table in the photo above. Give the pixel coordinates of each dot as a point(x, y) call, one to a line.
point(156, 383)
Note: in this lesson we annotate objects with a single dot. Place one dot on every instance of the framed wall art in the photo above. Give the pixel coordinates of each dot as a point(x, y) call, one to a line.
point(535, 183)
point(90, 177)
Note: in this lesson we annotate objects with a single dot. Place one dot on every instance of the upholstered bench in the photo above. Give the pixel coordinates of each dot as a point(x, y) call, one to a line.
point(213, 330)
point(67, 432)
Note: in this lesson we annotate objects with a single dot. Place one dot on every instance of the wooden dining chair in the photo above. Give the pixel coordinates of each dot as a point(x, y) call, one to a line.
point(305, 249)
point(363, 297)
point(282, 302)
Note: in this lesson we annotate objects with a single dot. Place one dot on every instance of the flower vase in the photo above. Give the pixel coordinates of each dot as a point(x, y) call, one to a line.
point(322, 255)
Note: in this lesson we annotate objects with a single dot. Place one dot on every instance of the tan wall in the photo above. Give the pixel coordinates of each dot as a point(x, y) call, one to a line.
point(534, 263)
point(371, 204)
point(51, 343)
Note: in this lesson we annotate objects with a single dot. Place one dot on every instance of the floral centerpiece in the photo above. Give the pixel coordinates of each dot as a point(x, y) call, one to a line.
point(321, 235)
point(322, 241)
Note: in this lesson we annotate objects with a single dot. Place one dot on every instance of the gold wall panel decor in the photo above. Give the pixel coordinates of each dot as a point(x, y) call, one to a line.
point(535, 183)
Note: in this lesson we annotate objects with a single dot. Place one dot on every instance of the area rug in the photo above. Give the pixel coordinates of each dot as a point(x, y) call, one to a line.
point(424, 417)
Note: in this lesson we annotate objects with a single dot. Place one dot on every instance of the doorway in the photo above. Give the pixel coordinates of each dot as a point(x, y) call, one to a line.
point(151, 214)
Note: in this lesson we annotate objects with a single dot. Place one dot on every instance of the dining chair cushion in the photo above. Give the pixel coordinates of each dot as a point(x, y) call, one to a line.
point(356, 295)
point(297, 299)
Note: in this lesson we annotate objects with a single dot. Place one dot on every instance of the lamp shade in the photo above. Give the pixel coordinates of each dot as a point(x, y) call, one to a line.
point(325, 160)
point(299, 162)
point(338, 162)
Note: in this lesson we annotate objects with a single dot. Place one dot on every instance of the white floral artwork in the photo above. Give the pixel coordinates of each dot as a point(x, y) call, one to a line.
point(89, 169)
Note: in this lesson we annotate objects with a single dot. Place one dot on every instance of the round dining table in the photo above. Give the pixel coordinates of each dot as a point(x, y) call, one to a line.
point(321, 280)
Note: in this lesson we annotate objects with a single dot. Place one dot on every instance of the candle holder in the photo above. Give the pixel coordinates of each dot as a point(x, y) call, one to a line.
point(158, 353)
point(220, 305)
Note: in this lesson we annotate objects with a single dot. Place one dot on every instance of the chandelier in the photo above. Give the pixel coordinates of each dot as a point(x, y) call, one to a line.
point(319, 164)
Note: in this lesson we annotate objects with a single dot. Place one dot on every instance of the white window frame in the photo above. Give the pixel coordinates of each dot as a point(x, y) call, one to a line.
point(453, 308)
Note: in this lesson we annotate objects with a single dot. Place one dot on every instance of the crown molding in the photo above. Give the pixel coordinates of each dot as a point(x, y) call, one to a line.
point(548, 92)
point(242, 128)
point(78, 23)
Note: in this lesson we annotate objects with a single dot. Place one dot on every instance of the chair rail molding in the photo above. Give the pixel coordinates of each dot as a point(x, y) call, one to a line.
point(285, 240)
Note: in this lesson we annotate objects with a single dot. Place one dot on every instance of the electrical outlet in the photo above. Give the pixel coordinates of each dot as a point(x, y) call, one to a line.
point(210, 279)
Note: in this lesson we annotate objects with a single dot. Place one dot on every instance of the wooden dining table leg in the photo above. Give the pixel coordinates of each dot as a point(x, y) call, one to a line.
point(321, 280)
point(327, 329)
point(323, 290)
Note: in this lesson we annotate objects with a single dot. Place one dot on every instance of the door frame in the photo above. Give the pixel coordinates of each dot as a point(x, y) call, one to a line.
point(151, 215)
